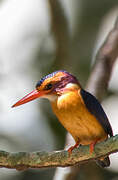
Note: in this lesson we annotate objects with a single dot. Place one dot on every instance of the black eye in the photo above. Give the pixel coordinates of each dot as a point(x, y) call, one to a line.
point(48, 86)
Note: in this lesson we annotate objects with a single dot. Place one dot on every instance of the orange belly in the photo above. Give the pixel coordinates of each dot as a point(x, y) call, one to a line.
point(79, 122)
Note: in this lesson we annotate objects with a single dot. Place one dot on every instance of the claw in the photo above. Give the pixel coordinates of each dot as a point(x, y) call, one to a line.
point(72, 147)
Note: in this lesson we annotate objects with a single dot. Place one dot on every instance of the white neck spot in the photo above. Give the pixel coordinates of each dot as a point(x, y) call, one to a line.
point(71, 85)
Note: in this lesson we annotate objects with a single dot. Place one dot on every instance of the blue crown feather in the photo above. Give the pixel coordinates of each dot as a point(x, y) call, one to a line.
point(48, 76)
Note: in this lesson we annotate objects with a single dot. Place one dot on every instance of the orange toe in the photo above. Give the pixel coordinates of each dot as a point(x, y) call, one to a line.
point(92, 145)
point(72, 147)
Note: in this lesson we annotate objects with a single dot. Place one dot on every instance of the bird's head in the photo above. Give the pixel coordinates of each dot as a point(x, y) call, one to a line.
point(51, 86)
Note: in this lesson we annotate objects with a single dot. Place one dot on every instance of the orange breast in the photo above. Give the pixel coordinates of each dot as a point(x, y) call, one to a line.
point(74, 116)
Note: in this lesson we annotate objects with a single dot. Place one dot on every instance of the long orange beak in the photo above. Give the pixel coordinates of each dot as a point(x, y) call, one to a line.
point(29, 97)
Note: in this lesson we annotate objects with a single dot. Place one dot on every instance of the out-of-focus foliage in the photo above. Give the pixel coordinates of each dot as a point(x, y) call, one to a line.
point(35, 39)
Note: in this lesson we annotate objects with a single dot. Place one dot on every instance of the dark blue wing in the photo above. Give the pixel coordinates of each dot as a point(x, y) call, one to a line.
point(96, 109)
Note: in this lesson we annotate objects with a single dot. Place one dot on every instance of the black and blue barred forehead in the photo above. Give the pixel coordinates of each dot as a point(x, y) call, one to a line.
point(70, 76)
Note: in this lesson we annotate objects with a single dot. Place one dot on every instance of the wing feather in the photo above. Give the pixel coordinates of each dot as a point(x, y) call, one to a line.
point(96, 109)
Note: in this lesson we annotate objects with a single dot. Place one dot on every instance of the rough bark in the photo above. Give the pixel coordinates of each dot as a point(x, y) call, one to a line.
point(25, 160)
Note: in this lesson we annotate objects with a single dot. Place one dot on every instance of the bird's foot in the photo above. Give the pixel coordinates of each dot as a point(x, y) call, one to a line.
point(72, 147)
point(92, 145)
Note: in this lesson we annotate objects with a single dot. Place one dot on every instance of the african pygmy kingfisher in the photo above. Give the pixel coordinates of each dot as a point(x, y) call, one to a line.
point(77, 110)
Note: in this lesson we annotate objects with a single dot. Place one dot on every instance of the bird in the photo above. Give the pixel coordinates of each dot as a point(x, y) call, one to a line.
point(78, 111)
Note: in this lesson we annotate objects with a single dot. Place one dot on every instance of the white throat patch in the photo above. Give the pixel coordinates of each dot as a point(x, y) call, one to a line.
point(50, 97)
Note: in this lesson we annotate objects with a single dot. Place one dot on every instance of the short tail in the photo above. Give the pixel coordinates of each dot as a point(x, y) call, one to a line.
point(103, 162)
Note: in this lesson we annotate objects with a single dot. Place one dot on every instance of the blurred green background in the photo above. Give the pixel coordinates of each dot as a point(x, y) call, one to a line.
point(36, 38)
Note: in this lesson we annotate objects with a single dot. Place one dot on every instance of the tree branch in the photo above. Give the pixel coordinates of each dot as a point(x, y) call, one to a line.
point(24, 160)
point(60, 30)
point(105, 59)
